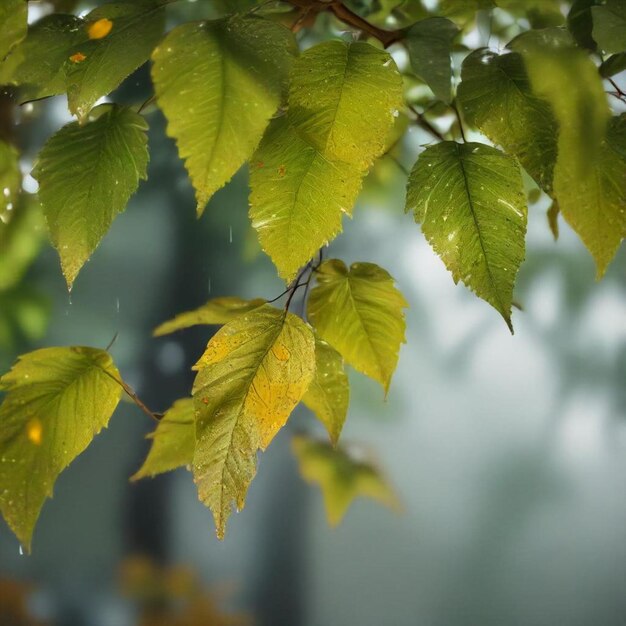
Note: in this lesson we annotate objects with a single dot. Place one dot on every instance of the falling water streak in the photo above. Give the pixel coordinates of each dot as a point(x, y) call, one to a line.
point(209, 285)
point(230, 234)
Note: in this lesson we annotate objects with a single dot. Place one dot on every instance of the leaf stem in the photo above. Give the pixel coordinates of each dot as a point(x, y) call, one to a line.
point(130, 392)
point(423, 123)
point(455, 108)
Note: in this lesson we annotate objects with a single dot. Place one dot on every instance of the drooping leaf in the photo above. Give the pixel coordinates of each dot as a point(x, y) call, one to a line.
point(470, 202)
point(219, 83)
point(20, 240)
point(328, 395)
point(553, 219)
point(37, 64)
point(254, 372)
point(56, 400)
point(580, 23)
point(173, 441)
point(86, 175)
point(10, 182)
point(589, 173)
point(429, 43)
point(308, 169)
point(341, 477)
point(297, 197)
point(215, 311)
point(116, 39)
point(613, 65)
point(343, 99)
point(13, 24)
point(609, 25)
point(359, 312)
point(496, 98)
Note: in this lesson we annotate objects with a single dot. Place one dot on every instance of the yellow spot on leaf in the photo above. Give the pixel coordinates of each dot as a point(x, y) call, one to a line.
point(99, 29)
point(34, 431)
point(79, 57)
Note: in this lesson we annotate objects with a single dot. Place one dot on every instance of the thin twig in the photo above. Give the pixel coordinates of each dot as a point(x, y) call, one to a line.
point(422, 122)
point(455, 108)
point(129, 391)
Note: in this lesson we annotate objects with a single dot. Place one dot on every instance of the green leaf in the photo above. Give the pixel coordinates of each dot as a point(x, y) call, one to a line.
point(464, 9)
point(13, 24)
point(359, 313)
point(297, 197)
point(470, 201)
point(341, 477)
point(328, 395)
point(37, 64)
point(173, 441)
point(429, 43)
point(496, 98)
point(20, 240)
point(553, 219)
point(219, 83)
point(580, 23)
point(613, 65)
point(343, 99)
point(308, 169)
point(589, 172)
point(10, 182)
point(216, 311)
point(117, 38)
point(86, 175)
point(609, 25)
point(57, 400)
point(254, 372)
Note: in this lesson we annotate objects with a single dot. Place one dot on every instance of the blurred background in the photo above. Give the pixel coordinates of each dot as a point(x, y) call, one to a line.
point(507, 452)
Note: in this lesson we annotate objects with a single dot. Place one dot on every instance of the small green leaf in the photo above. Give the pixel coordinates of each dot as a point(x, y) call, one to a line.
point(219, 83)
point(216, 311)
point(173, 441)
point(359, 312)
point(328, 395)
point(613, 65)
point(56, 400)
point(609, 25)
point(496, 98)
point(13, 24)
point(86, 175)
point(429, 43)
point(553, 219)
point(341, 477)
point(254, 372)
point(580, 23)
point(116, 39)
point(470, 201)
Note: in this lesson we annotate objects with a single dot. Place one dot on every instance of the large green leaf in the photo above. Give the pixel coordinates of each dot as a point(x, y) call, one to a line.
point(10, 182)
point(86, 175)
point(308, 169)
point(470, 201)
point(496, 98)
point(588, 183)
point(57, 400)
point(328, 395)
point(580, 23)
point(343, 99)
point(216, 311)
point(254, 372)
point(219, 83)
point(429, 43)
point(359, 312)
point(298, 196)
point(173, 441)
point(117, 38)
point(341, 477)
point(609, 25)
point(13, 24)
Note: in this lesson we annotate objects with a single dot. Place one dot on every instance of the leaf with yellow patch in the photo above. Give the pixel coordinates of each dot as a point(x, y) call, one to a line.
point(56, 400)
point(341, 477)
point(254, 372)
point(359, 312)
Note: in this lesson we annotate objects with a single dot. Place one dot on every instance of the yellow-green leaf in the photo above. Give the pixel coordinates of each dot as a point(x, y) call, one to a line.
point(496, 98)
point(13, 24)
point(254, 372)
point(297, 196)
point(116, 39)
point(56, 400)
point(219, 83)
point(328, 395)
point(341, 477)
point(470, 201)
point(173, 441)
point(216, 311)
point(359, 312)
point(86, 175)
